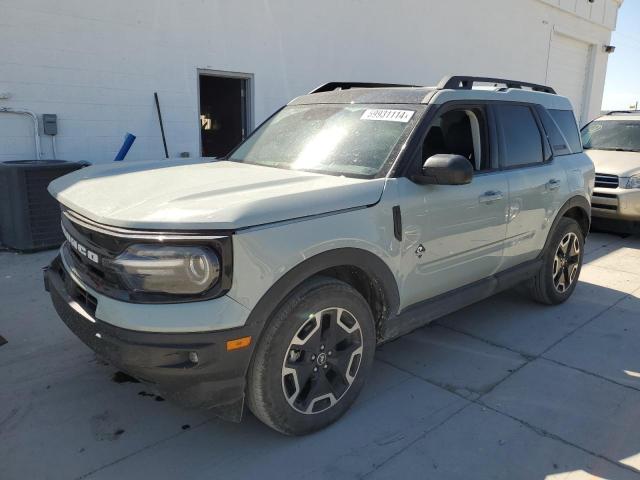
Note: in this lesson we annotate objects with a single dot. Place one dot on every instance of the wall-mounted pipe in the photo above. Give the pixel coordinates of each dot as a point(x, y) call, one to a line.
point(36, 128)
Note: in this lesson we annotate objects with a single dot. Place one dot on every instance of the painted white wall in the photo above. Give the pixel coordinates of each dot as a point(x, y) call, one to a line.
point(96, 63)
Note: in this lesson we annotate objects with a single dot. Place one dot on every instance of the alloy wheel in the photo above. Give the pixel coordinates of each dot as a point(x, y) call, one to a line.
point(322, 360)
point(566, 262)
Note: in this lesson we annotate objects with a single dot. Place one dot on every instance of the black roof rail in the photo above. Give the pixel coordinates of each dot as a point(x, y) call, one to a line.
point(461, 82)
point(328, 87)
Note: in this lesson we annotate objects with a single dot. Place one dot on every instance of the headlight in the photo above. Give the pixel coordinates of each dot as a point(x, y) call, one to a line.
point(182, 270)
point(634, 182)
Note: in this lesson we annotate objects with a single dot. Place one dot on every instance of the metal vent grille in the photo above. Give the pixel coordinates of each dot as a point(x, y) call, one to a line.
point(43, 210)
point(29, 216)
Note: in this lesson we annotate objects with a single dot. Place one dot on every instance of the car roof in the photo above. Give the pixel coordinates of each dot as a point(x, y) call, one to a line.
point(633, 115)
point(368, 95)
point(449, 88)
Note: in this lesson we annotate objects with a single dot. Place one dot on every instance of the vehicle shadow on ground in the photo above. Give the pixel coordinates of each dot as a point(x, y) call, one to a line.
point(568, 374)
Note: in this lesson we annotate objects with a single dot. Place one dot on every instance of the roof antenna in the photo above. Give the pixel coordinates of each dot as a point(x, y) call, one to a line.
point(164, 140)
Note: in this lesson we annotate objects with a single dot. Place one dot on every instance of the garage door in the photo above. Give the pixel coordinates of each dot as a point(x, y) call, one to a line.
point(569, 70)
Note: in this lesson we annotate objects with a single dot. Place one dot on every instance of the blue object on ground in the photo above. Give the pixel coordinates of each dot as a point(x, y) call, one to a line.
point(126, 145)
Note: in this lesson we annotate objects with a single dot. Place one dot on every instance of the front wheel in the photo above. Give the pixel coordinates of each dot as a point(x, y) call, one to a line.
point(562, 262)
point(313, 358)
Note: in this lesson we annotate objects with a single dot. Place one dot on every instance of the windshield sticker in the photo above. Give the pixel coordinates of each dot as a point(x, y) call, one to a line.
point(402, 116)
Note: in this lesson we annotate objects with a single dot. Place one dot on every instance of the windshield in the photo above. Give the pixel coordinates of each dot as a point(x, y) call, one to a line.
point(612, 135)
point(350, 140)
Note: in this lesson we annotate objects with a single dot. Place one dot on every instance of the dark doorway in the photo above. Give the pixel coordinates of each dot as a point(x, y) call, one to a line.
point(223, 113)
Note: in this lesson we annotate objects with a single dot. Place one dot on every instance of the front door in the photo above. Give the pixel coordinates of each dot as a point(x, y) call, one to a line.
point(224, 113)
point(454, 234)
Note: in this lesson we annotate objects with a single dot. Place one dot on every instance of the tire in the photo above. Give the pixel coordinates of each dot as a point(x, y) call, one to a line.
point(556, 280)
point(313, 357)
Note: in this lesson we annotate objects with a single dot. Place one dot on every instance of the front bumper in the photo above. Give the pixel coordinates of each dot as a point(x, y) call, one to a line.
point(165, 360)
point(616, 204)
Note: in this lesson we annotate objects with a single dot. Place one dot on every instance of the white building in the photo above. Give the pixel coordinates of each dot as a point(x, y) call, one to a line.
point(96, 63)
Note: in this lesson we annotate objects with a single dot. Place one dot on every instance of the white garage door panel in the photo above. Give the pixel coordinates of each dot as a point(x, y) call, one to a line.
point(569, 69)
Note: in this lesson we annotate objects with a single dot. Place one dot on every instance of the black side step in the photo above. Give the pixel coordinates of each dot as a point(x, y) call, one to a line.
point(423, 313)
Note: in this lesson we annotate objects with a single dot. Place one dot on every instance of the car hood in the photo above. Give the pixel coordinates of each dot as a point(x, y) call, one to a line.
point(201, 194)
point(623, 164)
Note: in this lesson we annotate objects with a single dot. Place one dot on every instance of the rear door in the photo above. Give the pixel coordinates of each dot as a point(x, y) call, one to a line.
point(537, 183)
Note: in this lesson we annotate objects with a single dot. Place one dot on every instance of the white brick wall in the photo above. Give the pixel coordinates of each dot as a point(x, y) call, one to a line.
point(96, 63)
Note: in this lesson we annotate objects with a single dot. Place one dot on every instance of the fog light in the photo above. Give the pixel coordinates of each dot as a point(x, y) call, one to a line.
point(193, 357)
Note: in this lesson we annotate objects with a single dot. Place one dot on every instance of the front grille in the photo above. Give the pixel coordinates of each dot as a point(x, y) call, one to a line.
point(604, 207)
point(94, 275)
point(605, 195)
point(604, 180)
point(79, 294)
point(604, 201)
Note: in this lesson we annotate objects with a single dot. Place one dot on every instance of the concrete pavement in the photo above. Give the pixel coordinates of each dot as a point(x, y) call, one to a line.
point(504, 389)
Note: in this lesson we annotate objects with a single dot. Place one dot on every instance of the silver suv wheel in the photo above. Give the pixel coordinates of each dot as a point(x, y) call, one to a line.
point(322, 360)
point(566, 262)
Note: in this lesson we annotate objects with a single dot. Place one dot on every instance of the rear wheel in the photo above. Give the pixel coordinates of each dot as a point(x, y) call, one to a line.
point(562, 262)
point(313, 358)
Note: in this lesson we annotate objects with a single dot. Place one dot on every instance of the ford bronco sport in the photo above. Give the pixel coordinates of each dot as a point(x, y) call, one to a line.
point(353, 215)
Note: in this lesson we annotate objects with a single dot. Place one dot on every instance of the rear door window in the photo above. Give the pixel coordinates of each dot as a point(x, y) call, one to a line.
point(521, 139)
point(569, 128)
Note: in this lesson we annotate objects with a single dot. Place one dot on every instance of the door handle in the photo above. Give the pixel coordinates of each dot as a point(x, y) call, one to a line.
point(491, 196)
point(553, 184)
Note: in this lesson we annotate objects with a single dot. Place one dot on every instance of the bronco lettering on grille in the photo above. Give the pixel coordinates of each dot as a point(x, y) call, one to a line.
point(81, 249)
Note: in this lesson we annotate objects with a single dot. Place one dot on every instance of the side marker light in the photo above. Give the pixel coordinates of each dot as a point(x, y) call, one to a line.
point(238, 343)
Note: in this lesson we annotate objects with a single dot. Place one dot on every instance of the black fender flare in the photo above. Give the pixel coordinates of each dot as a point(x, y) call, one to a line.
point(364, 260)
point(271, 300)
point(577, 201)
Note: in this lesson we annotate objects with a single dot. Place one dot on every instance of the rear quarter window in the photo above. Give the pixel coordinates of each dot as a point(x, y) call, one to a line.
point(569, 128)
point(557, 140)
point(522, 142)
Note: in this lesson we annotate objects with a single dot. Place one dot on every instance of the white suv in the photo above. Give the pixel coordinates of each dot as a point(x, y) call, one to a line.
point(353, 215)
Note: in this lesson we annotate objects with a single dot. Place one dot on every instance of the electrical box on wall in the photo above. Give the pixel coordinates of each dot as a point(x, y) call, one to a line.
point(50, 123)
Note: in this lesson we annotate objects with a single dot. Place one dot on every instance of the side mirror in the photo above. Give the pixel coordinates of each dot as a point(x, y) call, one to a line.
point(445, 169)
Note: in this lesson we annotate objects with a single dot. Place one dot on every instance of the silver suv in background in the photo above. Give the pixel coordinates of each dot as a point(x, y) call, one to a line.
point(355, 214)
point(613, 144)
